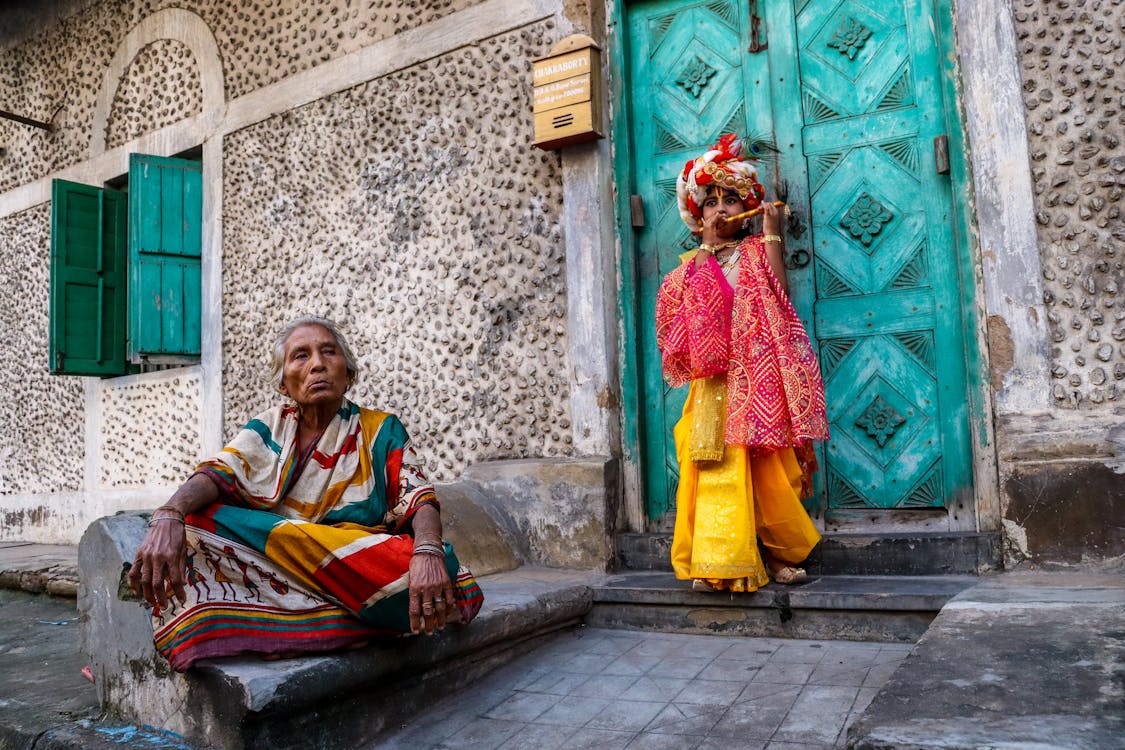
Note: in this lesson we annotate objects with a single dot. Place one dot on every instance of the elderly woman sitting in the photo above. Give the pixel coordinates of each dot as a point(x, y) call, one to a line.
point(313, 530)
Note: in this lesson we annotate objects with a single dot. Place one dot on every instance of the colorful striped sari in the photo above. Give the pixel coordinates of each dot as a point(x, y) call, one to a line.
point(303, 558)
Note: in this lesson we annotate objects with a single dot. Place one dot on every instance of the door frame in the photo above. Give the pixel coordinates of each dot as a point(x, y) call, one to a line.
point(983, 515)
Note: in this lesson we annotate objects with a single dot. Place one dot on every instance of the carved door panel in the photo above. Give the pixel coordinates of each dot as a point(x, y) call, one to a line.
point(691, 80)
point(887, 316)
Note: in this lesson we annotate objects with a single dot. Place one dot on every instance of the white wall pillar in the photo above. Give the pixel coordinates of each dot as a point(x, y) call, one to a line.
point(1017, 325)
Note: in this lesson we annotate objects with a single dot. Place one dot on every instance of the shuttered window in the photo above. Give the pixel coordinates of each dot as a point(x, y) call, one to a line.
point(165, 241)
point(88, 259)
point(125, 270)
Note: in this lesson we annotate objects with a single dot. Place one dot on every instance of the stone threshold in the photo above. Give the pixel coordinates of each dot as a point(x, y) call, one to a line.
point(1021, 660)
point(868, 608)
point(890, 554)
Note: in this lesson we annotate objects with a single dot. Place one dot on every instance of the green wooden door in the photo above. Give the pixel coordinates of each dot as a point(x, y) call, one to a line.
point(692, 81)
point(853, 97)
point(888, 295)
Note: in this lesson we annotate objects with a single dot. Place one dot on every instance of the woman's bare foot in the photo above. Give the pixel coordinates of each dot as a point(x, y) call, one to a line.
point(786, 574)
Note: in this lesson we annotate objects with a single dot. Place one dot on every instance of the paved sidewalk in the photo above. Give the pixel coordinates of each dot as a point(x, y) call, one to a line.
point(617, 690)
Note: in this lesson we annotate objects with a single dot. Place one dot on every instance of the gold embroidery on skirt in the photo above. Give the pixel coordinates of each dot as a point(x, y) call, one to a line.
point(709, 420)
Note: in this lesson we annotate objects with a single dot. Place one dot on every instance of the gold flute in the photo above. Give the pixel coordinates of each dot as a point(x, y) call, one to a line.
point(755, 212)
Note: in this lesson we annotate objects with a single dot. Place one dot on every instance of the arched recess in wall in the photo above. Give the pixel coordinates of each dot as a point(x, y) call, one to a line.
point(174, 25)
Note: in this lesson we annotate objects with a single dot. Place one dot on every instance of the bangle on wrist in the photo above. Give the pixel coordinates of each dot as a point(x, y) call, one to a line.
point(426, 548)
point(772, 238)
point(180, 521)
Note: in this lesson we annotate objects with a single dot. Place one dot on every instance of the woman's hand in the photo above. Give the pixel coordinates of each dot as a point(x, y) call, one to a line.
point(161, 558)
point(431, 594)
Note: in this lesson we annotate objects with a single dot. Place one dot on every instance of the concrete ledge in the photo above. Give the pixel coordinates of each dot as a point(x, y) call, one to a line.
point(39, 568)
point(902, 593)
point(1020, 660)
point(557, 511)
point(313, 702)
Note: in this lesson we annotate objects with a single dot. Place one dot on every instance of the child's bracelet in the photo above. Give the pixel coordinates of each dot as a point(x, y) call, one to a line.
point(772, 238)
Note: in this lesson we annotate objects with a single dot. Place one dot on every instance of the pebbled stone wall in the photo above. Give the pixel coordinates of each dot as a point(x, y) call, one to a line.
point(161, 86)
point(53, 76)
point(434, 242)
point(1072, 53)
point(56, 74)
point(150, 429)
point(42, 445)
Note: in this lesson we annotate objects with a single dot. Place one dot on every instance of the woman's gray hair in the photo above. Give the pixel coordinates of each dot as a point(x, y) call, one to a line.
point(277, 353)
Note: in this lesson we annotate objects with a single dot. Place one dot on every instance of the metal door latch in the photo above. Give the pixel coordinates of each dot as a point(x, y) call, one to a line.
point(636, 211)
point(941, 154)
point(758, 42)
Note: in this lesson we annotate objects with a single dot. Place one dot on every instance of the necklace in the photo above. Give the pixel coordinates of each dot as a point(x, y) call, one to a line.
point(731, 261)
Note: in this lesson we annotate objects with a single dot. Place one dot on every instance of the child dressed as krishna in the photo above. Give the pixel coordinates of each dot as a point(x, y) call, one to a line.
point(756, 401)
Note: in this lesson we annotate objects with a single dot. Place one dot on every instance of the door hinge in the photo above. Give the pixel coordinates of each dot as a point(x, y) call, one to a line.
point(636, 211)
point(941, 154)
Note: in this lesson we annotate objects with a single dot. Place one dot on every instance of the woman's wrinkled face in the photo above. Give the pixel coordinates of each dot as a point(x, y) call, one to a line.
point(314, 372)
point(723, 203)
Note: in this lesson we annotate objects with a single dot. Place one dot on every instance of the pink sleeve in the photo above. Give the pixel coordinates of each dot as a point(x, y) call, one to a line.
point(693, 311)
point(671, 327)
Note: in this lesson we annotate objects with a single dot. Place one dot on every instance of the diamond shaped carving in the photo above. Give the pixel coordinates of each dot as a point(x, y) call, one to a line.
point(880, 420)
point(695, 77)
point(849, 37)
point(865, 219)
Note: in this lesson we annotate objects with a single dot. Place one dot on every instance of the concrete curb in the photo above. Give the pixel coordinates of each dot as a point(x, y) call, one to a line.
point(39, 568)
point(1020, 660)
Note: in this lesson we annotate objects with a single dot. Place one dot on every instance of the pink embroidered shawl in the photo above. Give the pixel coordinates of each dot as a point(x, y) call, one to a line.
point(775, 395)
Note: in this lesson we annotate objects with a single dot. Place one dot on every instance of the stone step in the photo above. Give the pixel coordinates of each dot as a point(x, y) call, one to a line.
point(330, 701)
point(1022, 660)
point(903, 554)
point(867, 608)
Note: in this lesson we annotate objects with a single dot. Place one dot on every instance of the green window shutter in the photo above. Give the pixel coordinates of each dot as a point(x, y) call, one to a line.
point(165, 245)
point(87, 305)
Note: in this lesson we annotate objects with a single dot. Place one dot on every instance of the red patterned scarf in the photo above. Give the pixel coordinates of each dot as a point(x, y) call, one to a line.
point(775, 395)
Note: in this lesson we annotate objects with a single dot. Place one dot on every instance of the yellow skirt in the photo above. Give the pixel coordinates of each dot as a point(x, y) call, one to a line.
point(722, 507)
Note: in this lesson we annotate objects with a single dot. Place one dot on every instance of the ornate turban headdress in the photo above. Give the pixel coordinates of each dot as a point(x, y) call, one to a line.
point(724, 165)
